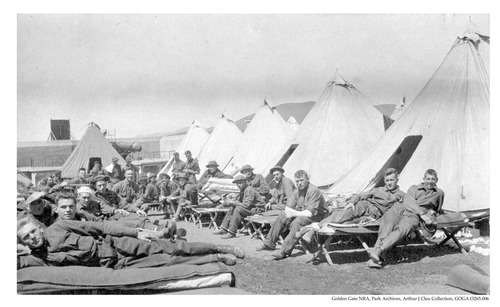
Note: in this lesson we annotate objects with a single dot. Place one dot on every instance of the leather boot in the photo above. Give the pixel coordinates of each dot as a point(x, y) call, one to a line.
point(228, 259)
point(228, 249)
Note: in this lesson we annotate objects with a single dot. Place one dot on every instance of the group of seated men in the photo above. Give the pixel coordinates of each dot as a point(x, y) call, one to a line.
point(297, 204)
point(303, 204)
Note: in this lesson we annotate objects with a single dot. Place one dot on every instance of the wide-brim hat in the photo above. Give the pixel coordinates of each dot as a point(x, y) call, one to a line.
point(34, 197)
point(114, 159)
point(143, 177)
point(276, 168)
point(246, 167)
point(212, 163)
point(100, 178)
point(151, 175)
point(239, 178)
point(128, 159)
point(163, 175)
point(181, 175)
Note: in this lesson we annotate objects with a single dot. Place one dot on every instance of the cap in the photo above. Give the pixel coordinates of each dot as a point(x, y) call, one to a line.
point(85, 190)
point(164, 175)
point(114, 159)
point(143, 177)
point(212, 163)
point(34, 197)
point(277, 168)
point(128, 159)
point(151, 175)
point(176, 154)
point(100, 178)
point(246, 167)
point(239, 178)
point(181, 175)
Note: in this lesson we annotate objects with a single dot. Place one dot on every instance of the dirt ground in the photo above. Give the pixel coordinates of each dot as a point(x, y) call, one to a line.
point(412, 269)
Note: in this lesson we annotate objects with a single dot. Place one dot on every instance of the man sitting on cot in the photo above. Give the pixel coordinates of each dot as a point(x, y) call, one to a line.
point(113, 246)
point(422, 203)
point(38, 208)
point(184, 196)
point(256, 181)
point(372, 204)
point(281, 189)
point(239, 208)
point(306, 206)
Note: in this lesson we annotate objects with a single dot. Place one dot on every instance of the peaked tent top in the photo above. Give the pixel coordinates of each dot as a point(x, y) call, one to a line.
point(336, 134)
point(92, 144)
point(445, 128)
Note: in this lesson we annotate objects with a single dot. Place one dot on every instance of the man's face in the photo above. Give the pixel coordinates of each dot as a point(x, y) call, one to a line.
point(182, 181)
point(97, 165)
point(50, 180)
point(129, 175)
point(248, 173)
point(31, 235)
point(81, 173)
point(115, 163)
point(277, 175)
point(100, 186)
point(84, 198)
point(391, 182)
point(242, 184)
point(302, 182)
point(66, 209)
point(36, 207)
point(189, 155)
point(152, 179)
point(430, 181)
point(212, 169)
point(176, 157)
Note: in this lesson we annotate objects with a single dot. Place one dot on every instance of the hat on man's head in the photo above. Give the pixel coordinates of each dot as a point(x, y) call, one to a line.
point(142, 177)
point(85, 190)
point(277, 168)
point(100, 178)
point(164, 175)
point(239, 178)
point(246, 167)
point(212, 163)
point(151, 175)
point(34, 197)
point(176, 154)
point(128, 159)
point(181, 175)
point(114, 159)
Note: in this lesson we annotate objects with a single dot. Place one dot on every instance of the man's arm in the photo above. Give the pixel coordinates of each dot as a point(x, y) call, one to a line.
point(247, 201)
point(294, 213)
point(314, 199)
point(410, 201)
point(263, 186)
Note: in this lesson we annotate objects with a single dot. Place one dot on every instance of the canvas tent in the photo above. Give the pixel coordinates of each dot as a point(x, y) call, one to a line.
point(266, 134)
point(336, 134)
point(222, 142)
point(93, 146)
point(194, 140)
point(445, 128)
point(292, 122)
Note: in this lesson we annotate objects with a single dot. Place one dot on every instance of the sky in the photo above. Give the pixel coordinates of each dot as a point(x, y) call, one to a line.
point(149, 73)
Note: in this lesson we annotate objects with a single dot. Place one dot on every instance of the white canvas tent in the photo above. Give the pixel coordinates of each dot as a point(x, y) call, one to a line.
point(194, 140)
point(445, 128)
point(93, 145)
point(222, 142)
point(292, 122)
point(266, 134)
point(336, 134)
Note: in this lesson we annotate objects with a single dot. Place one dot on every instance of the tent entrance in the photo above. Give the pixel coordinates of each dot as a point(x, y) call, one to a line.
point(92, 160)
point(399, 158)
point(283, 159)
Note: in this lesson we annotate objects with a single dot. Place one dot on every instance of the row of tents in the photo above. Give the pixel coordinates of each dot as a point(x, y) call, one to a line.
point(344, 147)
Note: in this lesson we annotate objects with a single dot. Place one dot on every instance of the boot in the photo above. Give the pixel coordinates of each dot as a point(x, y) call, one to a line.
point(307, 237)
point(228, 249)
point(220, 232)
point(374, 254)
point(228, 259)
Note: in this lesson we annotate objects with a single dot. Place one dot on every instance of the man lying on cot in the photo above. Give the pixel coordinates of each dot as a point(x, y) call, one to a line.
point(421, 204)
point(372, 204)
point(111, 245)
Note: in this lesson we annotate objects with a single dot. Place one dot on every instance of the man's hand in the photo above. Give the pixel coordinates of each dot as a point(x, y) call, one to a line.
point(122, 212)
point(289, 212)
point(267, 206)
point(349, 206)
point(141, 213)
point(145, 236)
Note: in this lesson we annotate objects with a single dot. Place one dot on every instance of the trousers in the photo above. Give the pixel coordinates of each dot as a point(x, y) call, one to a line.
point(396, 224)
point(362, 208)
point(281, 224)
point(233, 218)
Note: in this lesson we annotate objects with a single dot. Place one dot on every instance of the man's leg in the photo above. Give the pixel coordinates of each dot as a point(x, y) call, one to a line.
point(291, 240)
point(389, 221)
point(239, 213)
point(180, 206)
point(280, 224)
point(224, 226)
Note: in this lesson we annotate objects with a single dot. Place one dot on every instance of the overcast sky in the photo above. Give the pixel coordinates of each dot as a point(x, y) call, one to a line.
point(141, 74)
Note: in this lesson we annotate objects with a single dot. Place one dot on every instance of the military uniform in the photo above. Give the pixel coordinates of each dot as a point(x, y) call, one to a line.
point(207, 175)
point(128, 192)
point(247, 199)
point(280, 193)
point(192, 165)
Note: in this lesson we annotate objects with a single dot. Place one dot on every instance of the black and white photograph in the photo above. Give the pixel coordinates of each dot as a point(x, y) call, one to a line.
point(339, 154)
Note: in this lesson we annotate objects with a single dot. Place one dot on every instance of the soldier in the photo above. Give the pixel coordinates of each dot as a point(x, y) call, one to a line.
point(130, 166)
point(38, 208)
point(306, 206)
point(178, 166)
point(184, 196)
point(128, 191)
point(150, 195)
point(281, 189)
point(80, 179)
point(116, 173)
point(192, 168)
point(212, 171)
point(256, 181)
point(240, 208)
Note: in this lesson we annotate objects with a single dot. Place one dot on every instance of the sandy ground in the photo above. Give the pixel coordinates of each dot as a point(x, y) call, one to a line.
point(413, 269)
